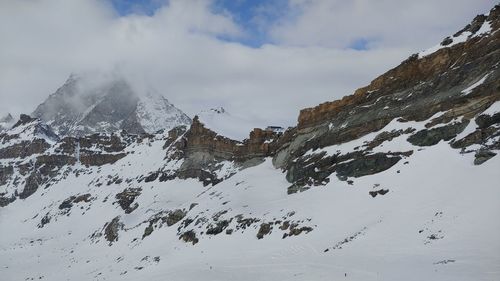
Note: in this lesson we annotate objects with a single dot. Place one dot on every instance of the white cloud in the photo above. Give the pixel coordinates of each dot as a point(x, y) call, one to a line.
point(338, 23)
point(177, 51)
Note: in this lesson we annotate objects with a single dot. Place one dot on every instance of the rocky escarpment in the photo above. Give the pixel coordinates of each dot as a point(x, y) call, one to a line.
point(440, 76)
point(446, 91)
point(211, 157)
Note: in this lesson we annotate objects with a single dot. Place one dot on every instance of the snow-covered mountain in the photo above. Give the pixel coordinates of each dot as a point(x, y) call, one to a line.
point(86, 104)
point(398, 181)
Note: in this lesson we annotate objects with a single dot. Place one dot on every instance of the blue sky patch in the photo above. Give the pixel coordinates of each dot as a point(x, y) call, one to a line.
point(254, 17)
point(362, 44)
point(143, 7)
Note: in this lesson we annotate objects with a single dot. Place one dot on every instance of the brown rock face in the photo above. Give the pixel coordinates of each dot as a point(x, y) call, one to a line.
point(203, 150)
point(477, 54)
point(416, 90)
point(259, 144)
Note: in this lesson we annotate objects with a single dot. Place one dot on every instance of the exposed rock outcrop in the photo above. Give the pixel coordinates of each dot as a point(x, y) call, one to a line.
point(126, 199)
point(428, 137)
point(111, 230)
point(203, 151)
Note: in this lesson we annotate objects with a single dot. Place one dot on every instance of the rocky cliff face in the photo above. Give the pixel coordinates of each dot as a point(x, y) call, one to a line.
point(441, 76)
point(212, 157)
point(83, 107)
point(200, 153)
point(447, 90)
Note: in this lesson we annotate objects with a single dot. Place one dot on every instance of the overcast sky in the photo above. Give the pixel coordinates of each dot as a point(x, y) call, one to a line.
point(264, 60)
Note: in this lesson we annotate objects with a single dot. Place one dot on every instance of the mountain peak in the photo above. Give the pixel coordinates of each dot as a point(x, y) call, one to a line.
point(88, 104)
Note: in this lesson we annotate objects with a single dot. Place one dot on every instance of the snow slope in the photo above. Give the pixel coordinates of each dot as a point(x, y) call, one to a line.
point(155, 113)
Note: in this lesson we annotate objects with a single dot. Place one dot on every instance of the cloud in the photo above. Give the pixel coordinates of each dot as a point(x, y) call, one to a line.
point(387, 23)
point(178, 51)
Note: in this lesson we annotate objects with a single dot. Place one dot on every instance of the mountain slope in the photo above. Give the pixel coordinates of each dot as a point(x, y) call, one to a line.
point(430, 225)
point(82, 107)
point(398, 181)
point(449, 88)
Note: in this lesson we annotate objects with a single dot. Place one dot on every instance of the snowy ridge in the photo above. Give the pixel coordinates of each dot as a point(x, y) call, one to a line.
point(155, 113)
point(484, 30)
point(30, 131)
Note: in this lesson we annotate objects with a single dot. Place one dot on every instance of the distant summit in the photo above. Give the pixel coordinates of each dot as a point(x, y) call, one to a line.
point(86, 105)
